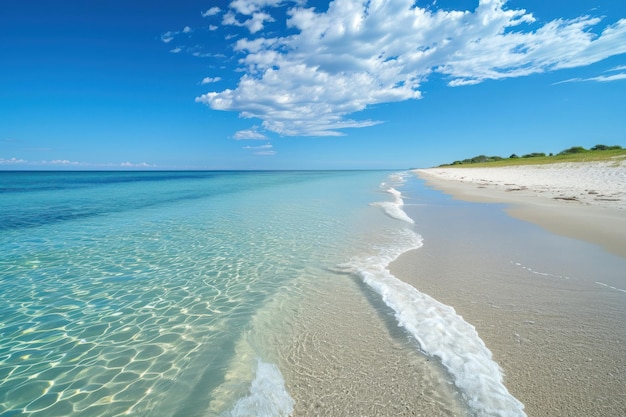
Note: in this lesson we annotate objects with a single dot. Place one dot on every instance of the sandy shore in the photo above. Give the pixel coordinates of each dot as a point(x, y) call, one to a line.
point(581, 200)
point(550, 308)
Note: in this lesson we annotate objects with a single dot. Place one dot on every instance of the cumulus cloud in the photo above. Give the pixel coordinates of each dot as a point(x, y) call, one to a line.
point(209, 80)
point(12, 161)
point(249, 7)
point(356, 54)
point(211, 12)
point(254, 24)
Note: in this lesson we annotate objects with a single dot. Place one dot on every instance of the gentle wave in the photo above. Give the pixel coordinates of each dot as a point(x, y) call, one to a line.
point(394, 208)
point(137, 310)
point(439, 330)
point(268, 396)
point(609, 286)
point(545, 274)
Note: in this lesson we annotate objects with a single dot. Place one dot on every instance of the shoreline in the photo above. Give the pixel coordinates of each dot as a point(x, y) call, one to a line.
point(549, 308)
point(590, 207)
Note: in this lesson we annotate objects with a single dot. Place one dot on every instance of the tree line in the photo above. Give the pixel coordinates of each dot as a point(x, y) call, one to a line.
point(569, 151)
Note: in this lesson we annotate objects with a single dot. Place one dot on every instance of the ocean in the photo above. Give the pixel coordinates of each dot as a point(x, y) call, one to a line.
point(225, 294)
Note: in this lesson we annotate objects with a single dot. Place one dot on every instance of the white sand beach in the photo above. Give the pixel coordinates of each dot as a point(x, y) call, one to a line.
point(550, 306)
point(584, 200)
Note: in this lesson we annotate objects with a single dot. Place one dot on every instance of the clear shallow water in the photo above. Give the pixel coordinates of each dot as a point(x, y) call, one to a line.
point(149, 293)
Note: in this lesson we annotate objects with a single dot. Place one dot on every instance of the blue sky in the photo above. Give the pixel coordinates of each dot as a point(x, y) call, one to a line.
point(270, 84)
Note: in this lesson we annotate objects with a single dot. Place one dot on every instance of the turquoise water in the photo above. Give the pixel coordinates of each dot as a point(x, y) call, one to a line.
point(120, 291)
point(172, 293)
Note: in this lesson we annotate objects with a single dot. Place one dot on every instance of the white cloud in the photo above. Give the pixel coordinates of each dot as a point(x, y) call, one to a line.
point(601, 79)
point(361, 53)
point(621, 76)
point(211, 12)
point(620, 68)
point(265, 150)
point(12, 161)
point(176, 50)
point(202, 54)
point(268, 146)
point(66, 163)
point(254, 24)
point(249, 134)
point(249, 7)
point(62, 162)
point(139, 165)
point(167, 37)
point(208, 80)
point(18, 161)
point(257, 22)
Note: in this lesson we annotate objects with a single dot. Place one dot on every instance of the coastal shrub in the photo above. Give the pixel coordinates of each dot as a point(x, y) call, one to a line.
point(573, 149)
point(476, 160)
point(606, 148)
point(479, 158)
point(575, 153)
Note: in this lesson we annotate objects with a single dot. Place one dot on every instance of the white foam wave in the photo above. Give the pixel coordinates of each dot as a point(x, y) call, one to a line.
point(609, 286)
point(268, 396)
point(440, 331)
point(545, 274)
point(398, 178)
point(394, 208)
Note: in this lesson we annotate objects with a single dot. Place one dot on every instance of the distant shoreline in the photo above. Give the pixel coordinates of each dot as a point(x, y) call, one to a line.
point(584, 200)
point(573, 154)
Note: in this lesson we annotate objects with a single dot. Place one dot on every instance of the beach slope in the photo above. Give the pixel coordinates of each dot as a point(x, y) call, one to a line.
point(549, 306)
point(585, 200)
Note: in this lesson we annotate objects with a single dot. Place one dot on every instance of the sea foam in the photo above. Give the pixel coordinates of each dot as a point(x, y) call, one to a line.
point(394, 208)
point(268, 396)
point(439, 330)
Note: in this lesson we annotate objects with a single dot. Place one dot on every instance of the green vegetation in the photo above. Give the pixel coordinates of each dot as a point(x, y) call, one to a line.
point(573, 154)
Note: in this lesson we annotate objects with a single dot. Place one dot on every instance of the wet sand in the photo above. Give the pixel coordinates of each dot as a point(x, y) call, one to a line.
point(352, 359)
point(550, 307)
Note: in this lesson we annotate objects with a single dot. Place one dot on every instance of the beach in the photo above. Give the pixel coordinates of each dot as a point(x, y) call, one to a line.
point(547, 297)
point(581, 200)
point(297, 294)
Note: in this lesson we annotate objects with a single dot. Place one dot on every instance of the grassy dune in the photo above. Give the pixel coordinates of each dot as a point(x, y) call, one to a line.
point(616, 155)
